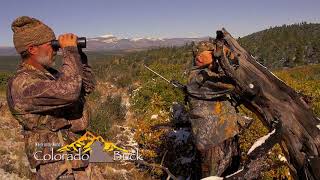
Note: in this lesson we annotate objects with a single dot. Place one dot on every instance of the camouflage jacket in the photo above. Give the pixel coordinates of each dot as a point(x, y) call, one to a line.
point(47, 101)
point(213, 121)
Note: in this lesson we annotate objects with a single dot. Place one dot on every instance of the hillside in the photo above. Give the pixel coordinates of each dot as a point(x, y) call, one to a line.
point(286, 45)
point(129, 101)
point(151, 99)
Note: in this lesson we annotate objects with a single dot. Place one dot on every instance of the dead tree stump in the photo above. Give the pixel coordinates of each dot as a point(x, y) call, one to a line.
point(276, 104)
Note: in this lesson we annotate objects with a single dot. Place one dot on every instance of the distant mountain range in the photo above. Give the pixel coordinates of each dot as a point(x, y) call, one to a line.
point(112, 43)
point(279, 46)
point(7, 51)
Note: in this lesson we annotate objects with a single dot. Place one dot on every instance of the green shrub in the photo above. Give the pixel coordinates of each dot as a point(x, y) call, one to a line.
point(108, 113)
point(4, 77)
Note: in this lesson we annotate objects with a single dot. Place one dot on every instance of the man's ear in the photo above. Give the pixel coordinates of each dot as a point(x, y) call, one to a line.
point(33, 50)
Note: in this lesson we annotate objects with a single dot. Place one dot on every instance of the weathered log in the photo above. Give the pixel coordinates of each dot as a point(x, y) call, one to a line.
point(275, 103)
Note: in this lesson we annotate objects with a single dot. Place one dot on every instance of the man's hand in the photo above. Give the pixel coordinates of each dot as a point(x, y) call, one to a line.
point(67, 40)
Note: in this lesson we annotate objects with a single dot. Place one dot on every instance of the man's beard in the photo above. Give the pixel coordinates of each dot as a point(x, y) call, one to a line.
point(46, 61)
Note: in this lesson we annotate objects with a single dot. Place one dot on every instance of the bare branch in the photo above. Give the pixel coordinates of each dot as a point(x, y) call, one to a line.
point(153, 165)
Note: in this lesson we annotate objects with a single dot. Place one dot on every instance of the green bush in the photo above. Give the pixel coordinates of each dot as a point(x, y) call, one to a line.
point(108, 113)
point(4, 77)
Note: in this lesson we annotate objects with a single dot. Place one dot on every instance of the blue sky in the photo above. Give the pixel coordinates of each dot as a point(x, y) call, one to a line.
point(157, 18)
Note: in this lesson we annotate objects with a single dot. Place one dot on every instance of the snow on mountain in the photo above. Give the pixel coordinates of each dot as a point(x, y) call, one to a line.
point(147, 38)
point(110, 42)
point(107, 36)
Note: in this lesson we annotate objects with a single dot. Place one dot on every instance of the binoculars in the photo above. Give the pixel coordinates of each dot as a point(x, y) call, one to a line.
point(81, 43)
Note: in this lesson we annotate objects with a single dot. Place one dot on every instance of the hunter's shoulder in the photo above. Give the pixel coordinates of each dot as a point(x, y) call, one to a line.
point(22, 79)
point(26, 75)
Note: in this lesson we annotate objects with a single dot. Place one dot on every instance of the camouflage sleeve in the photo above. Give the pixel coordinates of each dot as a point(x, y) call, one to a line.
point(88, 79)
point(42, 95)
point(82, 122)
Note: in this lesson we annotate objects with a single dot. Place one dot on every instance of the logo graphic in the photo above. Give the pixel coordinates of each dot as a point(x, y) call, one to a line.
point(99, 149)
point(98, 155)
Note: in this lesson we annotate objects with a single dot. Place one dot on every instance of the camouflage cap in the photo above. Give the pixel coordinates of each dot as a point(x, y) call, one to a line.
point(30, 31)
point(203, 46)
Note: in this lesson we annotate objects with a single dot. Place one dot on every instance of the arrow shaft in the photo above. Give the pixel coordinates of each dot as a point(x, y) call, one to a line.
point(157, 74)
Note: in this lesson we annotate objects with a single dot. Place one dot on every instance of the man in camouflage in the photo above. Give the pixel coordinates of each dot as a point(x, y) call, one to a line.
point(214, 119)
point(49, 104)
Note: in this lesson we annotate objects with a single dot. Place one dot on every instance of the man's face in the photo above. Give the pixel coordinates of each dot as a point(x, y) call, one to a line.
point(44, 55)
point(204, 58)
